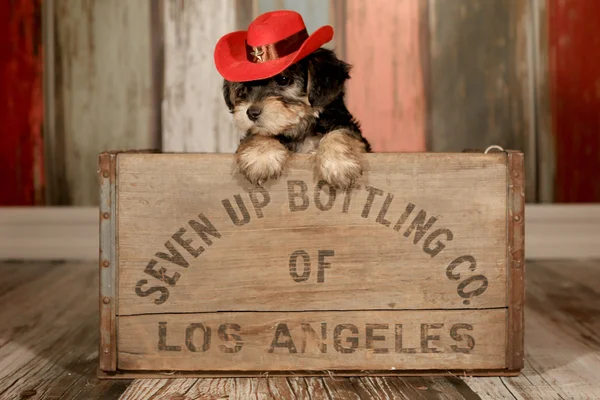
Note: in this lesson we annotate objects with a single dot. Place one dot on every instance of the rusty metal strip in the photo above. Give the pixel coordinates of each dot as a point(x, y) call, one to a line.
point(516, 260)
point(107, 353)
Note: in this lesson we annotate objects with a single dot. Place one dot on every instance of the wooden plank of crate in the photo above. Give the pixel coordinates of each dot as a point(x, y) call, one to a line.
point(364, 242)
point(126, 375)
point(314, 340)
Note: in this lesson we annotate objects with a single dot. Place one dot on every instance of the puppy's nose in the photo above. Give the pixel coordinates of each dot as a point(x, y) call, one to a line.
point(253, 113)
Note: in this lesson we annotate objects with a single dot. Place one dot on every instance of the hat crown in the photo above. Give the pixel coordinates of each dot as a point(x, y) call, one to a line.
point(274, 26)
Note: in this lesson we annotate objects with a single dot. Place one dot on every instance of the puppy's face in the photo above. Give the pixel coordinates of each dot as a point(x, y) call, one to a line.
point(271, 106)
point(281, 104)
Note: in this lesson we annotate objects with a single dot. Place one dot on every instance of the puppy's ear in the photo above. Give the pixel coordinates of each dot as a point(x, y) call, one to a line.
point(326, 77)
point(227, 92)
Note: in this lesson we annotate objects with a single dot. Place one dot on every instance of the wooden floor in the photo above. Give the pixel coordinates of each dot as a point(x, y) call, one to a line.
point(48, 350)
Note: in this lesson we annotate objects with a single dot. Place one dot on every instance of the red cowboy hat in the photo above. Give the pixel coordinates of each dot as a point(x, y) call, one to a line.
point(274, 41)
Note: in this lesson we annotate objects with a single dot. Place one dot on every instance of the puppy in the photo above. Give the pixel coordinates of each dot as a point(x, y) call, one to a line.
point(300, 110)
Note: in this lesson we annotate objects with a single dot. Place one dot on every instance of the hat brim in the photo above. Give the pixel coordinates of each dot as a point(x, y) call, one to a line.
point(232, 64)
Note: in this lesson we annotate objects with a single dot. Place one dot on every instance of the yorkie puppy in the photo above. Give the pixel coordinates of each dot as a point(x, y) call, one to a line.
point(300, 110)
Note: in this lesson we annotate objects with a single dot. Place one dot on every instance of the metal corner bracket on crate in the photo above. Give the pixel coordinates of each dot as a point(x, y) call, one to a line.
point(417, 270)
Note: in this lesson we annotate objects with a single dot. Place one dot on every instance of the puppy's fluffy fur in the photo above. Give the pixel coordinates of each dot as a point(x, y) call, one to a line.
point(301, 110)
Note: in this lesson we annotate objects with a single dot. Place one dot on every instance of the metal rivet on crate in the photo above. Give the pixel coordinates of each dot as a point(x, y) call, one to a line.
point(105, 174)
point(105, 263)
point(106, 300)
point(106, 215)
point(105, 351)
point(516, 174)
point(517, 217)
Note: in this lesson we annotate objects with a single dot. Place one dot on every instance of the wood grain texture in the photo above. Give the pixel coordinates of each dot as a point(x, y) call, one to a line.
point(330, 388)
point(314, 12)
point(48, 338)
point(104, 89)
point(48, 233)
point(283, 341)
point(129, 375)
point(108, 262)
point(244, 12)
point(561, 342)
point(565, 231)
point(480, 78)
point(143, 389)
point(574, 42)
point(195, 117)
point(49, 94)
point(223, 388)
point(367, 263)
point(545, 158)
point(386, 89)
point(48, 345)
point(516, 260)
point(337, 19)
point(21, 103)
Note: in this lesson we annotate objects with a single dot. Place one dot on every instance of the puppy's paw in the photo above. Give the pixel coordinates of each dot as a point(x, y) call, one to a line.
point(261, 158)
point(338, 159)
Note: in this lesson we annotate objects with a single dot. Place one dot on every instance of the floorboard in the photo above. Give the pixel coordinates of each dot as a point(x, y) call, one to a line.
point(48, 346)
point(49, 333)
point(562, 341)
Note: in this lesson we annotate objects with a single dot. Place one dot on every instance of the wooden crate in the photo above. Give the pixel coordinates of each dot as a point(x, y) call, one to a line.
point(418, 270)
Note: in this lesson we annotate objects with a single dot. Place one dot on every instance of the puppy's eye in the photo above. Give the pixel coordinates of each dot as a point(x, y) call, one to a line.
point(242, 93)
point(282, 80)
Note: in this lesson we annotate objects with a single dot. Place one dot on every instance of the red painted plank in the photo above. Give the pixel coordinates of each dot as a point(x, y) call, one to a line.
point(574, 45)
point(386, 92)
point(21, 103)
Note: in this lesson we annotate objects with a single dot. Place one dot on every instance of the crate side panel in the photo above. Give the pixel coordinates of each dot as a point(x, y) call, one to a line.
point(516, 261)
point(423, 231)
point(107, 263)
point(351, 340)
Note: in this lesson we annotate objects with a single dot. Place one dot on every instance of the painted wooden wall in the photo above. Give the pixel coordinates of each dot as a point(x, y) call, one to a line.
point(195, 118)
point(574, 40)
point(544, 160)
point(386, 92)
point(480, 79)
point(21, 103)
point(438, 75)
point(194, 115)
point(103, 90)
point(315, 13)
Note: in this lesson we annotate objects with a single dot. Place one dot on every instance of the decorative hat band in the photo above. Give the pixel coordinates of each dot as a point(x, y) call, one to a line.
point(277, 50)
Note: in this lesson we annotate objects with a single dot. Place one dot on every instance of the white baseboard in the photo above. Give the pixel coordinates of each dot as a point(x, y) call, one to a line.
point(561, 231)
point(71, 233)
point(49, 233)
